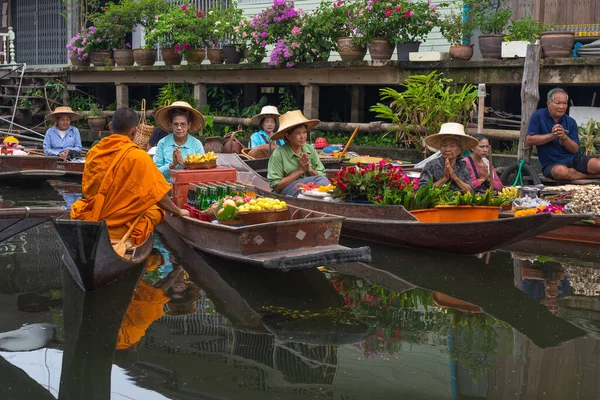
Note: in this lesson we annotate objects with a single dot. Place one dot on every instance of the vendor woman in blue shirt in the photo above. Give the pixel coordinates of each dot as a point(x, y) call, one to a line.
point(171, 151)
point(268, 122)
point(63, 140)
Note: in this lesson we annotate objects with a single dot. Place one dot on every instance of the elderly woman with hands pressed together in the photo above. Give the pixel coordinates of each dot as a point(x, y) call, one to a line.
point(450, 167)
point(171, 151)
point(296, 162)
point(62, 139)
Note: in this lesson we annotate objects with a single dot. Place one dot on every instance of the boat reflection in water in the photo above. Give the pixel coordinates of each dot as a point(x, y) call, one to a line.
point(412, 324)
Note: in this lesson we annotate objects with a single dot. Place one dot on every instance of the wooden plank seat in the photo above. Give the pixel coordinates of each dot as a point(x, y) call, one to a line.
point(552, 182)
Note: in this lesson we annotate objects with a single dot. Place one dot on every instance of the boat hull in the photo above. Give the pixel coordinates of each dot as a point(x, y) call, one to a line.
point(89, 255)
point(37, 168)
point(302, 242)
point(16, 220)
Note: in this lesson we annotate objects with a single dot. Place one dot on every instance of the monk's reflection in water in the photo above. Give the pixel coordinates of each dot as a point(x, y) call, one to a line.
point(165, 289)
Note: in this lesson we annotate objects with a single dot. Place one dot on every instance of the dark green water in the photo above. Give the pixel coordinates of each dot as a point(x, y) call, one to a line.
point(202, 328)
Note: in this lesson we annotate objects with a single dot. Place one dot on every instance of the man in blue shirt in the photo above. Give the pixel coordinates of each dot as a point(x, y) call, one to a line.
point(62, 139)
point(556, 137)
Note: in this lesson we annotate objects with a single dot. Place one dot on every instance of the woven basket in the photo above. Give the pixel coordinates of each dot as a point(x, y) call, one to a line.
point(143, 131)
point(260, 151)
point(201, 165)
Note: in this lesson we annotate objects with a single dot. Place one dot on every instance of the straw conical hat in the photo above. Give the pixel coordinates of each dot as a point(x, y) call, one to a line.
point(266, 111)
point(162, 117)
point(62, 110)
point(292, 119)
point(455, 130)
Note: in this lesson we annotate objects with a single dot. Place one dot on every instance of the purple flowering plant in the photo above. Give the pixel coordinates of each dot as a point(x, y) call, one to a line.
point(78, 46)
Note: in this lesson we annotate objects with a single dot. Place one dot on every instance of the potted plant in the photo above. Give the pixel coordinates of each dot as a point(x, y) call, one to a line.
point(378, 25)
point(588, 135)
point(233, 41)
point(118, 19)
point(96, 118)
point(457, 32)
point(520, 33)
point(492, 18)
point(351, 41)
point(317, 36)
point(163, 34)
point(471, 207)
point(415, 20)
point(147, 12)
point(255, 49)
point(100, 44)
point(78, 48)
point(557, 43)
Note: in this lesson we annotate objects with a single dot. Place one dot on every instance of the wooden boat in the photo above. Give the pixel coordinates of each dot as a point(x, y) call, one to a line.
point(490, 287)
point(16, 220)
point(89, 255)
point(308, 239)
point(578, 232)
point(37, 168)
point(394, 225)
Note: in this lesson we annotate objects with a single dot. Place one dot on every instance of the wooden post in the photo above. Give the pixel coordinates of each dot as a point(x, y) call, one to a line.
point(122, 95)
point(311, 101)
point(200, 95)
point(530, 96)
point(250, 94)
point(357, 105)
point(480, 107)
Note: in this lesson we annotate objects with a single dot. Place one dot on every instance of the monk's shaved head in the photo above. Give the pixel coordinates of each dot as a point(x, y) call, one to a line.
point(124, 120)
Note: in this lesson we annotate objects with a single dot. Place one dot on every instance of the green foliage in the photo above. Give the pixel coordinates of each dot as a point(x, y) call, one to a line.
point(456, 30)
point(419, 199)
point(513, 149)
point(490, 16)
point(587, 135)
point(80, 102)
point(488, 198)
point(94, 112)
point(182, 27)
point(287, 101)
point(526, 29)
point(173, 92)
point(427, 102)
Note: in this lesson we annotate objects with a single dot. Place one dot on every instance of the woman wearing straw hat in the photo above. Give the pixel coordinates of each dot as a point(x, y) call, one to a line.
point(62, 139)
point(267, 124)
point(295, 162)
point(171, 151)
point(450, 167)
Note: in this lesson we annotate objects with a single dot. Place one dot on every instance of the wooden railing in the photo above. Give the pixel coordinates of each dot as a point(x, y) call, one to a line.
point(7, 47)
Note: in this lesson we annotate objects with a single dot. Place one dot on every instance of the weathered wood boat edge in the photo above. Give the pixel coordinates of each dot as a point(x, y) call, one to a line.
point(16, 220)
point(89, 255)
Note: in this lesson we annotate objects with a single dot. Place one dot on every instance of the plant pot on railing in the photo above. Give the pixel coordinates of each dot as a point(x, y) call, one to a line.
point(80, 61)
point(123, 57)
point(490, 46)
point(171, 56)
point(350, 51)
point(100, 58)
point(96, 123)
point(144, 58)
point(404, 48)
point(232, 54)
point(381, 49)
point(216, 56)
point(461, 52)
point(557, 43)
point(195, 56)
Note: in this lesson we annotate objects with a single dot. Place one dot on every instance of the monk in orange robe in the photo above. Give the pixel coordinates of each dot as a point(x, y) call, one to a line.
point(120, 182)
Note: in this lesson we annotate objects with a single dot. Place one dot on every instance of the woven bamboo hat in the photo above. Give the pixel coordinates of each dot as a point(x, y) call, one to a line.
point(266, 111)
point(62, 110)
point(163, 115)
point(292, 119)
point(454, 130)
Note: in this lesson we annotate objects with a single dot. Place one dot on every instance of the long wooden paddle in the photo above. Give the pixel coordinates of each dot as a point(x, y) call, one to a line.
point(120, 247)
point(349, 141)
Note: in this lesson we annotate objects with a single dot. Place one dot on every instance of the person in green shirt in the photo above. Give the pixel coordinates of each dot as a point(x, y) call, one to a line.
point(295, 162)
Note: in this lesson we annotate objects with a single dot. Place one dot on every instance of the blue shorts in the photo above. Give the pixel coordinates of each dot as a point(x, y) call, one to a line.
point(579, 164)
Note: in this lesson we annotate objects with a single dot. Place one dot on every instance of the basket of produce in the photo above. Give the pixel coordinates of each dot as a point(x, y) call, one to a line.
point(263, 210)
point(201, 161)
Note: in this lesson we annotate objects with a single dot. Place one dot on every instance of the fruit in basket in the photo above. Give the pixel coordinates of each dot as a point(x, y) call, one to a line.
point(226, 210)
point(510, 192)
point(198, 158)
point(263, 204)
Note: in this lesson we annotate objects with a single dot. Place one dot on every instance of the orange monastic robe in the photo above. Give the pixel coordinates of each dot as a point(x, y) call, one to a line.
point(133, 185)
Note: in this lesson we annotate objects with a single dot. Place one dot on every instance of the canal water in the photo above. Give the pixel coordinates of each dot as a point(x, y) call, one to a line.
point(411, 324)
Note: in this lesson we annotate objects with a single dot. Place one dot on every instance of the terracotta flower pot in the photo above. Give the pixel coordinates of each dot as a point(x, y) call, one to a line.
point(216, 56)
point(557, 43)
point(85, 62)
point(349, 51)
point(100, 58)
point(171, 57)
point(96, 123)
point(404, 48)
point(123, 57)
point(195, 56)
point(461, 52)
point(468, 213)
point(144, 58)
point(490, 46)
point(381, 49)
point(232, 54)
